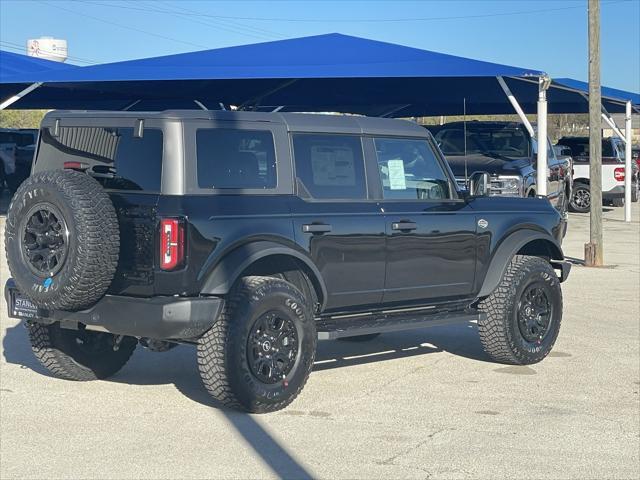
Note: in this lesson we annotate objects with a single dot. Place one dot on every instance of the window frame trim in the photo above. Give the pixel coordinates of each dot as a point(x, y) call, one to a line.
point(365, 166)
point(440, 160)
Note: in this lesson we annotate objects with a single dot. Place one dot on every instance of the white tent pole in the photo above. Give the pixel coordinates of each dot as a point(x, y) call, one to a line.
point(516, 106)
point(613, 126)
point(541, 168)
point(627, 164)
point(19, 95)
point(200, 104)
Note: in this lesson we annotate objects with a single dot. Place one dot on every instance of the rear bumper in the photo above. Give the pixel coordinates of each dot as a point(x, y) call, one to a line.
point(615, 192)
point(156, 317)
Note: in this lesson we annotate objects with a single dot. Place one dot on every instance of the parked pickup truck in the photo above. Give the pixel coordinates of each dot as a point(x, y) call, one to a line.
point(253, 235)
point(507, 152)
point(613, 174)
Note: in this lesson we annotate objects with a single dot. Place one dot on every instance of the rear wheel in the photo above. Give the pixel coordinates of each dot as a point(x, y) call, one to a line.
point(580, 198)
point(79, 354)
point(522, 315)
point(259, 353)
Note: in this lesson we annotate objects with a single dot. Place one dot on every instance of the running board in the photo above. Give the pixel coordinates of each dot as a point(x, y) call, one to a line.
point(352, 326)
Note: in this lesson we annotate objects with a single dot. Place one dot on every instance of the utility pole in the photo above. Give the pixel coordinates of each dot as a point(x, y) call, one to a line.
point(593, 251)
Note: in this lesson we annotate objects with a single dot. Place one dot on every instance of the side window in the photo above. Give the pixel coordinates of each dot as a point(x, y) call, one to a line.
point(330, 166)
point(410, 170)
point(119, 160)
point(229, 158)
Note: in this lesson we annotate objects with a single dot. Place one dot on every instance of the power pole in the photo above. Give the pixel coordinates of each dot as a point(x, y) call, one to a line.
point(593, 251)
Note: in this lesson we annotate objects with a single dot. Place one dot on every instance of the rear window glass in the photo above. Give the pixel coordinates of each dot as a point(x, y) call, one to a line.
point(330, 166)
point(113, 156)
point(230, 158)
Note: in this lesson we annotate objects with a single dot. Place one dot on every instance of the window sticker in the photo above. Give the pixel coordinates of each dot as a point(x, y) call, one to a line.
point(396, 175)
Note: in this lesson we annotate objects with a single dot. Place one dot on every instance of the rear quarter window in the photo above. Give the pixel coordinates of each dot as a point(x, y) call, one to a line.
point(235, 159)
point(113, 156)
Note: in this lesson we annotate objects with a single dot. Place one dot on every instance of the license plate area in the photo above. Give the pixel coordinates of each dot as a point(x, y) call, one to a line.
point(20, 306)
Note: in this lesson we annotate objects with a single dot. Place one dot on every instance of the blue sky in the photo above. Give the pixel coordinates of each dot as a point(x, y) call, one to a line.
point(549, 35)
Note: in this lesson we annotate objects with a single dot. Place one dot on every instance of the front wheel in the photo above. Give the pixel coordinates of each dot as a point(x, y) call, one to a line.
point(79, 354)
point(259, 353)
point(522, 315)
point(580, 198)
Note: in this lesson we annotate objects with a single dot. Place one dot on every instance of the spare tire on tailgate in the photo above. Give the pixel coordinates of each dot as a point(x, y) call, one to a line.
point(62, 240)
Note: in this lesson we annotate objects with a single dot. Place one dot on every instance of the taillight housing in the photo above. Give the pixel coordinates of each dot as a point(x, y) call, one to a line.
point(172, 239)
point(618, 174)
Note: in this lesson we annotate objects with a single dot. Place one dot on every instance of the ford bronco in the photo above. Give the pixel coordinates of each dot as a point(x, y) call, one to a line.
point(253, 235)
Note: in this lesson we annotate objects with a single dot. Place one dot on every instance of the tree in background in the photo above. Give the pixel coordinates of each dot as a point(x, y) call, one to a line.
point(21, 118)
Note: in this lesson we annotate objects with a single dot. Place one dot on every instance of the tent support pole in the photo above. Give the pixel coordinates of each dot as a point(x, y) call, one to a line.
point(613, 126)
point(19, 95)
point(395, 110)
point(627, 163)
point(541, 168)
point(131, 105)
point(199, 103)
point(516, 106)
point(255, 100)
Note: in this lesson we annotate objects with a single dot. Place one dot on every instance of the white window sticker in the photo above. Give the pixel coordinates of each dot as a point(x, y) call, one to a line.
point(396, 175)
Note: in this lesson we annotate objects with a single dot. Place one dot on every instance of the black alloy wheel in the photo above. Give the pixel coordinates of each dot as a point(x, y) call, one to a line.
point(272, 347)
point(45, 242)
point(534, 313)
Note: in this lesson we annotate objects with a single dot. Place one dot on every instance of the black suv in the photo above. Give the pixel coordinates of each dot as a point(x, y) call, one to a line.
point(507, 152)
point(253, 235)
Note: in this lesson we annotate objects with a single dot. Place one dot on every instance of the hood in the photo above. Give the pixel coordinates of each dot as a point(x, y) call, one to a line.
point(494, 165)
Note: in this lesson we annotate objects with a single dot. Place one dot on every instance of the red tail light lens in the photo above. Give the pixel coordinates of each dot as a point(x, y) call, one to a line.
point(171, 243)
point(618, 173)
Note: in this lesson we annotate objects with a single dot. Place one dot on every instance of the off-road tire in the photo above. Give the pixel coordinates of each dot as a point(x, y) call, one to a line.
point(59, 350)
point(223, 351)
point(617, 202)
point(92, 243)
point(574, 206)
point(500, 335)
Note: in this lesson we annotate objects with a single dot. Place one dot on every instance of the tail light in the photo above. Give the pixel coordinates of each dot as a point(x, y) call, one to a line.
point(618, 174)
point(171, 243)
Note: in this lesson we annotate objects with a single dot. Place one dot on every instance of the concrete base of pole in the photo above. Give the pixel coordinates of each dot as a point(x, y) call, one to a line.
point(593, 255)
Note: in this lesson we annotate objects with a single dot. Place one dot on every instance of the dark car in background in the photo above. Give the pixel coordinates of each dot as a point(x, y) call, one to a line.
point(17, 147)
point(507, 152)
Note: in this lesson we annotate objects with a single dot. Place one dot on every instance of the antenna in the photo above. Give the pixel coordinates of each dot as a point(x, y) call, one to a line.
point(464, 127)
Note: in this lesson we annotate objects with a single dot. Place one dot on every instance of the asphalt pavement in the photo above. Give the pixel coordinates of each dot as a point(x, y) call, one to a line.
point(421, 404)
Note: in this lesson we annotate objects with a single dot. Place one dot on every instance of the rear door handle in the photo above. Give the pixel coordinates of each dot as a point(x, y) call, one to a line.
point(403, 226)
point(316, 228)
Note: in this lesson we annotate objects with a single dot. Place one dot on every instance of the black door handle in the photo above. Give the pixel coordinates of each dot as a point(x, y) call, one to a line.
point(404, 226)
point(316, 228)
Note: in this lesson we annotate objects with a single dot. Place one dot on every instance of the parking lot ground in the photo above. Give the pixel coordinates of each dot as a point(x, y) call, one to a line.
point(422, 404)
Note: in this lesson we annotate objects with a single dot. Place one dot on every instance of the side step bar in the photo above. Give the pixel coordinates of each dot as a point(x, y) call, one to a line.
point(333, 328)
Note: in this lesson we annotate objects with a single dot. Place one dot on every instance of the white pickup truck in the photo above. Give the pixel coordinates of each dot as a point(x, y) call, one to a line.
point(612, 173)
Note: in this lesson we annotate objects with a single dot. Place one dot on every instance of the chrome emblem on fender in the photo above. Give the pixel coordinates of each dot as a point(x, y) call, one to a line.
point(482, 223)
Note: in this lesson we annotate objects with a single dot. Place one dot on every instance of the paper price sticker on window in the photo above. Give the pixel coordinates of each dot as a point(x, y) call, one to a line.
point(396, 175)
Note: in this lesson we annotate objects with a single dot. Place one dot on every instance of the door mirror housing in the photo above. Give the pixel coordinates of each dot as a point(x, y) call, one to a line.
point(480, 184)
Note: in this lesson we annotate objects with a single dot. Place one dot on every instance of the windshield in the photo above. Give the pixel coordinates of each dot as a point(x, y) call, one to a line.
point(505, 140)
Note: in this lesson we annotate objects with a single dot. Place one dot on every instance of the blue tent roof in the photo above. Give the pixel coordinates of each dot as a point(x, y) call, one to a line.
point(15, 68)
point(324, 56)
point(325, 72)
point(611, 93)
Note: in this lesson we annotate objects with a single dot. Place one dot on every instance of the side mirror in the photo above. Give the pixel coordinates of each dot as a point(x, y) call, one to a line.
point(479, 184)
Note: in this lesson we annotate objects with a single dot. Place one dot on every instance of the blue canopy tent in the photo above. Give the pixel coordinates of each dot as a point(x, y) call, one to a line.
point(326, 72)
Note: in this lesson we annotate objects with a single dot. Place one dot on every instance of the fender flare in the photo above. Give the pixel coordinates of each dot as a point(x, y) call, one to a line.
point(507, 249)
point(229, 269)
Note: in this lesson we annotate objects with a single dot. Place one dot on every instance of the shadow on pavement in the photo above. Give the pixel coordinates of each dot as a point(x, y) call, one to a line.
point(178, 367)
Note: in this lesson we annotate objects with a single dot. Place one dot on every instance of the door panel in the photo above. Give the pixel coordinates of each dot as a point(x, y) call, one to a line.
point(435, 260)
point(347, 243)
